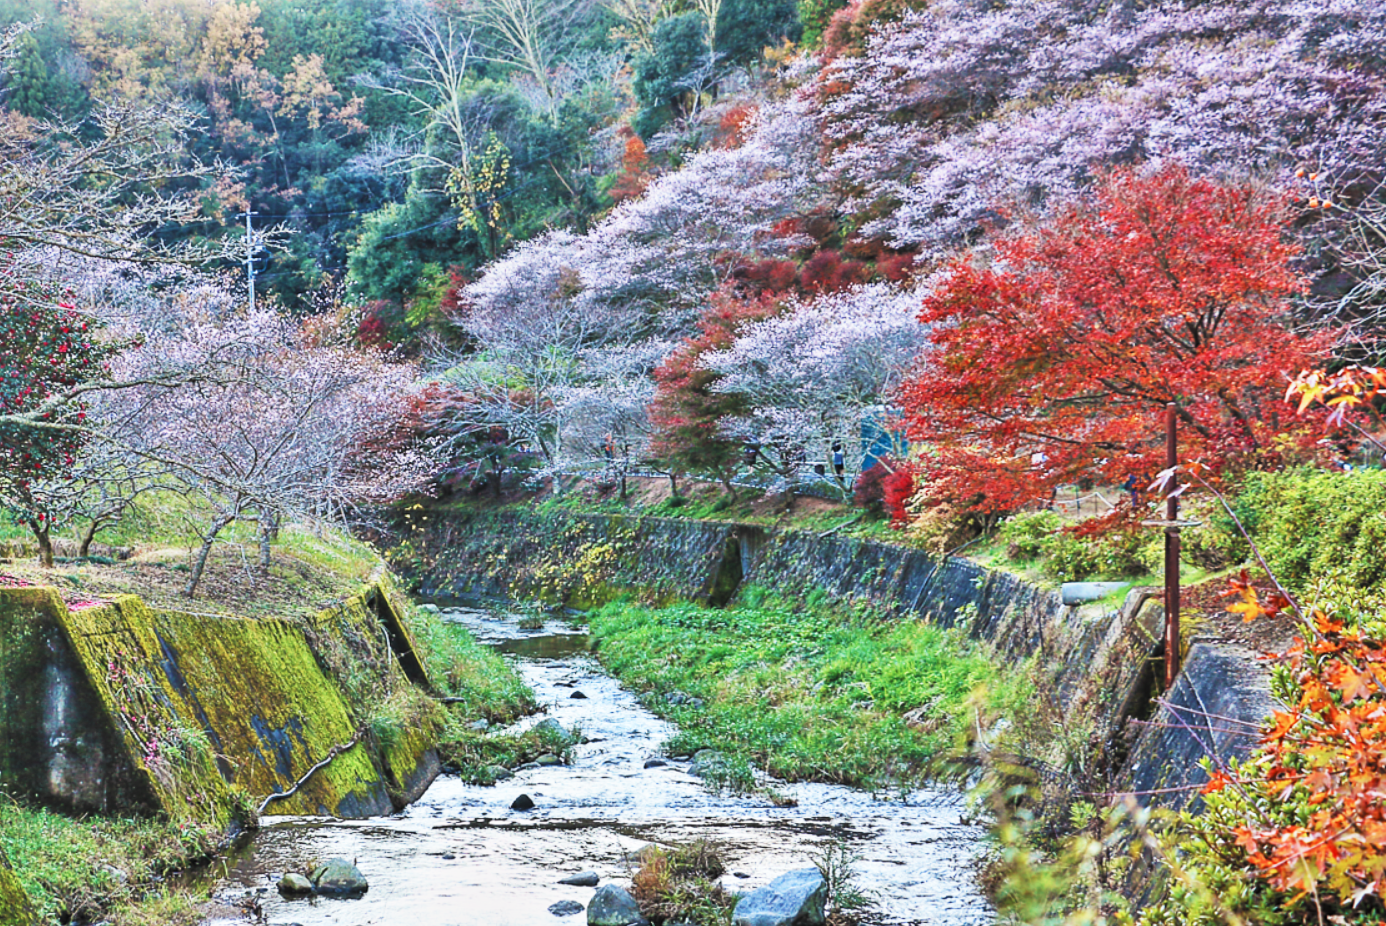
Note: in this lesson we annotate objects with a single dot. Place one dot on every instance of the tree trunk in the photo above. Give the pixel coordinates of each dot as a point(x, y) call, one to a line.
point(266, 537)
point(87, 537)
point(269, 533)
point(43, 534)
point(200, 563)
point(673, 486)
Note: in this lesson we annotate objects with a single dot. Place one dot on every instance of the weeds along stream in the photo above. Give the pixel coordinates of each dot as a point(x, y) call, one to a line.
point(461, 855)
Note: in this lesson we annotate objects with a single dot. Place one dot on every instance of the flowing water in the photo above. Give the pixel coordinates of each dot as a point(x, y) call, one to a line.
point(461, 856)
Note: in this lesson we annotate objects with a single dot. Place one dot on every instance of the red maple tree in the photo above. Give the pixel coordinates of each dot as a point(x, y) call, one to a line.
point(1054, 360)
point(688, 410)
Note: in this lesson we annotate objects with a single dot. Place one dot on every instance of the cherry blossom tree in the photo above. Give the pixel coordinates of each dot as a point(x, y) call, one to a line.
point(960, 108)
point(273, 429)
point(809, 376)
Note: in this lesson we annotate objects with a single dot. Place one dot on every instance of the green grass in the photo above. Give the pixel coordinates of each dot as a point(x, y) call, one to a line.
point(460, 667)
point(474, 756)
point(806, 692)
point(490, 689)
point(69, 867)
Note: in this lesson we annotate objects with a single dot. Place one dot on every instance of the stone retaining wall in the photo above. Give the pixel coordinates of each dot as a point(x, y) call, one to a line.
point(1094, 664)
point(123, 706)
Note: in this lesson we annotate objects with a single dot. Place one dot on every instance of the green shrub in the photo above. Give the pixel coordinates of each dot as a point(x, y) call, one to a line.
point(1070, 558)
point(1314, 526)
point(1026, 534)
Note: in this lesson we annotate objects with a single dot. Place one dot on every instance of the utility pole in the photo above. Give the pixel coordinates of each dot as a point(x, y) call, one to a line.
point(1171, 548)
point(249, 255)
point(1171, 525)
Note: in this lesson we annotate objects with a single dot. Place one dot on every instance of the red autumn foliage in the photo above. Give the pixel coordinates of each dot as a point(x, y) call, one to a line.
point(895, 267)
point(898, 488)
point(731, 128)
point(826, 272)
point(454, 305)
point(867, 491)
point(687, 410)
point(886, 487)
point(1353, 398)
point(374, 330)
point(849, 28)
point(768, 276)
point(1055, 360)
point(863, 248)
point(1325, 753)
point(635, 169)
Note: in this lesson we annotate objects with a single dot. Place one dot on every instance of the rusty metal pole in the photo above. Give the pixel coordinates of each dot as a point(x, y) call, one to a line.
point(1171, 550)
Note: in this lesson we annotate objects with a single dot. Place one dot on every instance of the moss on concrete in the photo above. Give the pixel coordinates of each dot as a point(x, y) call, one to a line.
point(214, 713)
point(15, 907)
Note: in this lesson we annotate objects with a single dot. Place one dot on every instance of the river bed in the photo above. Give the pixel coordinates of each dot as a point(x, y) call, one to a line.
point(460, 855)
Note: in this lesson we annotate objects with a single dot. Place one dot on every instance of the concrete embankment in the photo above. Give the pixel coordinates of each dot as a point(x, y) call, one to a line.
point(1094, 665)
point(117, 706)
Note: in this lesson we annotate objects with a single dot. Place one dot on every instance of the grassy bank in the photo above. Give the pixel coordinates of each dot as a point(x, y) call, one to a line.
point(808, 691)
point(478, 684)
point(104, 869)
point(120, 870)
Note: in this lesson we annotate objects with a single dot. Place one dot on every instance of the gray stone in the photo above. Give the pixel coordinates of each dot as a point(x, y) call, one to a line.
point(655, 763)
point(565, 908)
point(114, 873)
point(549, 759)
point(705, 761)
point(1083, 592)
point(793, 899)
point(676, 697)
point(338, 878)
point(550, 726)
point(480, 726)
point(294, 884)
point(578, 695)
point(498, 772)
point(523, 802)
point(696, 703)
point(585, 879)
point(613, 906)
point(429, 608)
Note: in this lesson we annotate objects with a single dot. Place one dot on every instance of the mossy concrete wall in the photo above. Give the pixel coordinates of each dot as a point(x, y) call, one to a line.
point(203, 716)
point(573, 559)
point(15, 906)
point(1093, 665)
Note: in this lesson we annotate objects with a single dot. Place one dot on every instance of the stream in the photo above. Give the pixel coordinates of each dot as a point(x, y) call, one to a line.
point(461, 856)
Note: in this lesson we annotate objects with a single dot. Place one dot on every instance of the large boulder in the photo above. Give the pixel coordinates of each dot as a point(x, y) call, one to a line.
point(793, 899)
point(613, 906)
point(338, 878)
